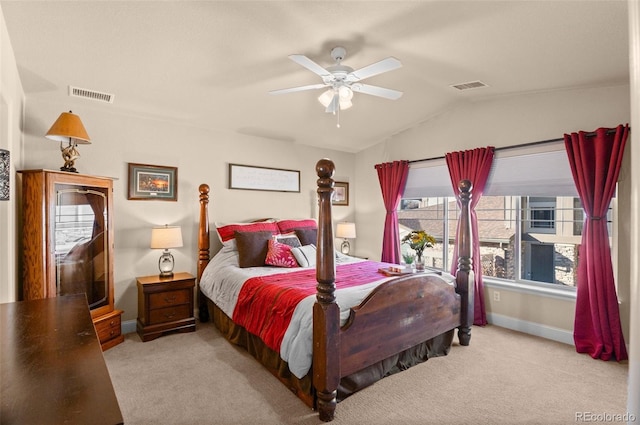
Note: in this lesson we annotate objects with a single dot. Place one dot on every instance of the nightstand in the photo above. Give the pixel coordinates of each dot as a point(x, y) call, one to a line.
point(165, 305)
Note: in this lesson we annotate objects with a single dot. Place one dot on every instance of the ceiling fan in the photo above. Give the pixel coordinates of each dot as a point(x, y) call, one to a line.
point(342, 80)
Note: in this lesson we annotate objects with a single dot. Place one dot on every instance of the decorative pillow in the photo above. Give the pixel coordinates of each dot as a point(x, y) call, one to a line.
point(305, 255)
point(226, 232)
point(280, 255)
point(287, 226)
point(252, 248)
point(289, 239)
point(307, 236)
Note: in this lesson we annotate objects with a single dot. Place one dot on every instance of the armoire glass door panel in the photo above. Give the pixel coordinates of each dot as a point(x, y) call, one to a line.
point(80, 241)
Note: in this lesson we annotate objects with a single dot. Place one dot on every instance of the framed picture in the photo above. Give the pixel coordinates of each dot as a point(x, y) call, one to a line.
point(250, 177)
point(153, 182)
point(5, 175)
point(340, 193)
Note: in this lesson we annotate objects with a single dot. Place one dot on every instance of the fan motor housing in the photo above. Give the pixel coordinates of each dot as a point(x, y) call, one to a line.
point(338, 53)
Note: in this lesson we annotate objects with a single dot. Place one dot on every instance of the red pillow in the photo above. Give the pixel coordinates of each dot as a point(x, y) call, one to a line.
point(280, 255)
point(287, 226)
point(227, 232)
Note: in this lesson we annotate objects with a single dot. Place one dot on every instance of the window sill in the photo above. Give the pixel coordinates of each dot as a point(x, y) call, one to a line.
point(524, 288)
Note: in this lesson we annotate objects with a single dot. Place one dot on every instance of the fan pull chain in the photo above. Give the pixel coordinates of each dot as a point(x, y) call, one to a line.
point(338, 123)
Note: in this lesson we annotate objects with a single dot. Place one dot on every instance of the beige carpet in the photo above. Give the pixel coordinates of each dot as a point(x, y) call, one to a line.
point(503, 377)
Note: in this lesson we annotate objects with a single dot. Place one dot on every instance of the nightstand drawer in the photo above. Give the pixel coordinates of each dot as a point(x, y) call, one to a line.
point(169, 314)
point(109, 327)
point(169, 298)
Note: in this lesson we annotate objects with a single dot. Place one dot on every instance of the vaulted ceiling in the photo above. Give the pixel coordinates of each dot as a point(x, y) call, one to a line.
point(211, 64)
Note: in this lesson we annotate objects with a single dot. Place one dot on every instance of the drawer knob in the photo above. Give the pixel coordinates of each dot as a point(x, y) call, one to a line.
point(170, 315)
point(170, 299)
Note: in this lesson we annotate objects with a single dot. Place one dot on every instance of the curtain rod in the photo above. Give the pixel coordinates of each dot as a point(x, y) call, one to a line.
point(523, 145)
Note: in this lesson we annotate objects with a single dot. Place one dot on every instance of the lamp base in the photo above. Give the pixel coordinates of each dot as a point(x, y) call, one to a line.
point(345, 247)
point(69, 155)
point(165, 264)
point(165, 275)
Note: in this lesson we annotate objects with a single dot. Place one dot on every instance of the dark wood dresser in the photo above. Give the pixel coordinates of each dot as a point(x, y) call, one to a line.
point(52, 370)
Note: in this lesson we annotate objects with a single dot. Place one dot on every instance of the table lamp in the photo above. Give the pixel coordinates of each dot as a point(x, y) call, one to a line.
point(164, 238)
point(68, 128)
point(346, 231)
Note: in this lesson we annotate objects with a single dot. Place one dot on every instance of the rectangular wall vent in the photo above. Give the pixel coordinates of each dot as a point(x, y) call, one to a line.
point(469, 85)
point(90, 94)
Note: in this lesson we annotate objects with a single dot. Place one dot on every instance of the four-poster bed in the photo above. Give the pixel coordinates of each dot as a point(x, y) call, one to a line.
point(397, 322)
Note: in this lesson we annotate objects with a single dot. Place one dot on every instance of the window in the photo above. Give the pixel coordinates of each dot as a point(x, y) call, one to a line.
point(522, 238)
point(541, 213)
point(530, 220)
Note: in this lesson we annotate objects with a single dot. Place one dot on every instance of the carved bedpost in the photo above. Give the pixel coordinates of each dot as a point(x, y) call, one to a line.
point(326, 313)
point(464, 273)
point(203, 248)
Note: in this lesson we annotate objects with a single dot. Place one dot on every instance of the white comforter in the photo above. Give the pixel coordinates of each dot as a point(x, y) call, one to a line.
point(222, 280)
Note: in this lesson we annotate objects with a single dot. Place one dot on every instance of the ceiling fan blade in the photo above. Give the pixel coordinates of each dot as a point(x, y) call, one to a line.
point(385, 65)
point(376, 91)
point(310, 65)
point(301, 88)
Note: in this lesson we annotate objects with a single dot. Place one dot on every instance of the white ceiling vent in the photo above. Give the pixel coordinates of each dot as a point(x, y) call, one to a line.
point(90, 94)
point(469, 85)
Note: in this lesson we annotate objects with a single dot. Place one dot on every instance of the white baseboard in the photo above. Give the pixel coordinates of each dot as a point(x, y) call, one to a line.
point(128, 326)
point(555, 334)
point(531, 328)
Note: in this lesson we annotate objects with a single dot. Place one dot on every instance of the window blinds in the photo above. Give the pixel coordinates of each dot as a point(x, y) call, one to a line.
point(533, 170)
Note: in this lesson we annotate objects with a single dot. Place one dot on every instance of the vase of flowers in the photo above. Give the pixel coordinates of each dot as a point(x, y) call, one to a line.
point(418, 240)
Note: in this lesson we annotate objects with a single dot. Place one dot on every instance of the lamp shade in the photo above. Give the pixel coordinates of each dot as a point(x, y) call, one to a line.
point(346, 230)
point(68, 128)
point(166, 237)
point(344, 95)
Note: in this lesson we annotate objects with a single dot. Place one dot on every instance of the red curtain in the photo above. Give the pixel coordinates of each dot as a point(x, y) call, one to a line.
point(595, 160)
point(473, 165)
point(392, 176)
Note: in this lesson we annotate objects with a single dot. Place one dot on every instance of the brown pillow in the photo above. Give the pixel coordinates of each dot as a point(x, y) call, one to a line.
point(252, 248)
point(307, 236)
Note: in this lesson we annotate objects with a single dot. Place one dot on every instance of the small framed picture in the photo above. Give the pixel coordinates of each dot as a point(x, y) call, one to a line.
point(340, 193)
point(153, 182)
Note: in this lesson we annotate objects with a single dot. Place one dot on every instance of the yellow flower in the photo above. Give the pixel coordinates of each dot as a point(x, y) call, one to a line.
point(418, 240)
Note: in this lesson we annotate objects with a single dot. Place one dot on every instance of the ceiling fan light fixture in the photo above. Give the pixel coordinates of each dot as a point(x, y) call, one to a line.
point(345, 104)
point(326, 97)
point(345, 95)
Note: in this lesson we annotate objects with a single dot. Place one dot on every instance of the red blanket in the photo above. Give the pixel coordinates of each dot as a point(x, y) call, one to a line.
point(266, 303)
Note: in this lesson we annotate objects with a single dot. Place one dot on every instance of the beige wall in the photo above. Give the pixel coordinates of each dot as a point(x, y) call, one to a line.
point(633, 394)
point(202, 156)
point(11, 106)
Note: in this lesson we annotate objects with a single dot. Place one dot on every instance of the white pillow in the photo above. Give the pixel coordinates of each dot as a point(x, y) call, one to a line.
point(305, 255)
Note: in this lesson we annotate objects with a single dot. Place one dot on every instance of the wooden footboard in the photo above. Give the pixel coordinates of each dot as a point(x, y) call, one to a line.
point(397, 315)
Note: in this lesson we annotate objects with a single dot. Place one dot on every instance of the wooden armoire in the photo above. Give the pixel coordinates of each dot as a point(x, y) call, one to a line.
point(67, 243)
